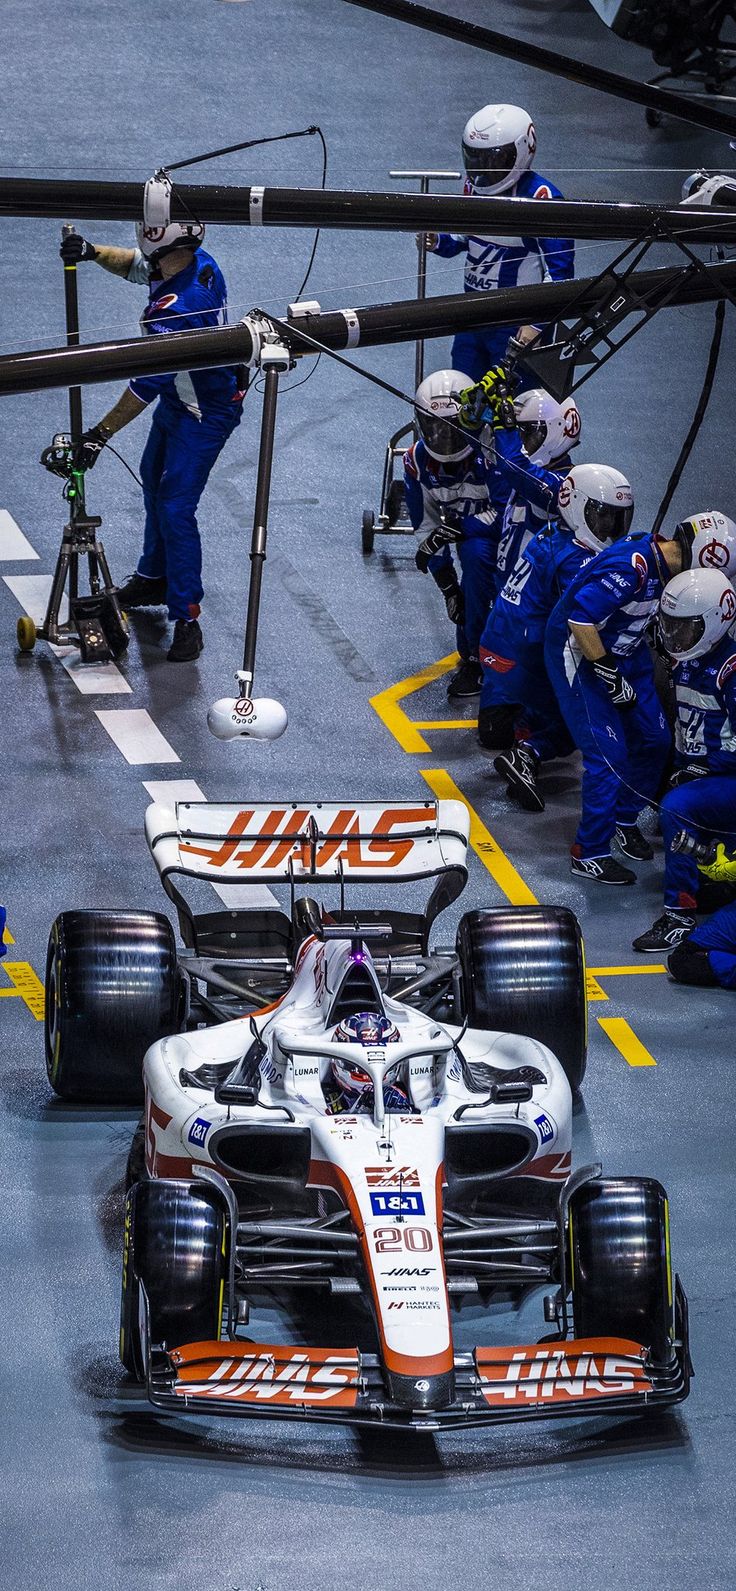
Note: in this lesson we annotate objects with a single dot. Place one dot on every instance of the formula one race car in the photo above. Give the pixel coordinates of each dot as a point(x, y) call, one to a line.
point(332, 1106)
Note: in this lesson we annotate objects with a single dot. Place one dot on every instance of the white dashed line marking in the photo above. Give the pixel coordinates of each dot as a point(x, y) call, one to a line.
point(135, 735)
point(13, 544)
point(92, 679)
point(257, 897)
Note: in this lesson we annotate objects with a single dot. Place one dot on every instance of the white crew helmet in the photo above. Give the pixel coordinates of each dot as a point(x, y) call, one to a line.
point(157, 234)
point(597, 503)
point(498, 145)
point(437, 409)
point(700, 191)
point(696, 610)
point(548, 428)
point(707, 541)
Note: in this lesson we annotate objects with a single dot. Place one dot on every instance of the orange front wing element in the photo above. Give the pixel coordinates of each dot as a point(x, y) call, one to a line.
point(255, 1372)
point(566, 1372)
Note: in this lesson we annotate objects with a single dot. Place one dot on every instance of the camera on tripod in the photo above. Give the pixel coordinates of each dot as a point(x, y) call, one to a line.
point(59, 457)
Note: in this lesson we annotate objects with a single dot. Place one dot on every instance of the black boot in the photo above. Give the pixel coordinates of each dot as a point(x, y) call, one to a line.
point(139, 592)
point(187, 643)
point(466, 681)
point(519, 766)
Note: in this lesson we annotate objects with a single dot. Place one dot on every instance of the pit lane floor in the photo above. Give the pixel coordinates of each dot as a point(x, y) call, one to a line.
point(99, 1491)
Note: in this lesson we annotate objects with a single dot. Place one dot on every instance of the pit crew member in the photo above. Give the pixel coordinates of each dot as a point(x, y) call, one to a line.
point(454, 498)
point(350, 1089)
point(697, 619)
point(498, 146)
point(513, 641)
point(707, 956)
point(196, 413)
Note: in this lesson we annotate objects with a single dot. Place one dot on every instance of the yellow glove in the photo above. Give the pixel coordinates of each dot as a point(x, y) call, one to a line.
point(723, 870)
point(493, 379)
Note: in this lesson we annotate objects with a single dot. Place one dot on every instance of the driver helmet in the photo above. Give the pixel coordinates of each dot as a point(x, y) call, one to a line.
point(498, 146)
point(707, 541)
point(437, 410)
point(697, 608)
point(548, 429)
point(372, 1031)
point(597, 503)
point(157, 235)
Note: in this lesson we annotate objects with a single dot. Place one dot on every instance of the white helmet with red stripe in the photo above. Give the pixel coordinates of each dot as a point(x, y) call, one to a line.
point(548, 428)
point(697, 609)
point(498, 145)
point(157, 234)
point(597, 503)
point(707, 541)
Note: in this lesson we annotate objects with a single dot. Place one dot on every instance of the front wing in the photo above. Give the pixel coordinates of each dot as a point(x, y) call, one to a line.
point(594, 1375)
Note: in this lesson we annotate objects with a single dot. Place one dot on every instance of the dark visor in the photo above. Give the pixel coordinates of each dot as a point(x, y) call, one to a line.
point(679, 635)
point(488, 166)
point(607, 522)
point(442, 436)
point(533, 433)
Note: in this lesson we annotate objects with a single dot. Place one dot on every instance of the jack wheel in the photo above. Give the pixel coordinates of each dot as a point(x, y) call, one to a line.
point(368, 532)
point(26, 633)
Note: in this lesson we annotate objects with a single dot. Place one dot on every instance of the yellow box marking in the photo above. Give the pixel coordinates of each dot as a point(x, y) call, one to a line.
point(387, 703)
point(501, 869)
point(27, 984)
point(620, 972)
point(593, 989)
point(445, 723)
point(624, 1038)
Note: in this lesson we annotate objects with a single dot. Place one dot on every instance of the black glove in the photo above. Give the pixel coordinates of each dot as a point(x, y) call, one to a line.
point(448, 583)
point(622, 694)
point(692, 770)
point(443, 535)
point(74, 248)
point(89, 448)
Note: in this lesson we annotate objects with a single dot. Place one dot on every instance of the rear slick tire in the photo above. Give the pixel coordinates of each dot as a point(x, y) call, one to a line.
point(112, 989)
point(523, 971)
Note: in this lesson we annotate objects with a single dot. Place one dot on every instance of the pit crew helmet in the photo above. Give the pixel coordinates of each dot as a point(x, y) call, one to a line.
point(548, 428)
point(437, 410)
point(707, 541)
point(157, 235)
point(370, 1030)
point(498, 145)
point(695, 611)
point(597, 503)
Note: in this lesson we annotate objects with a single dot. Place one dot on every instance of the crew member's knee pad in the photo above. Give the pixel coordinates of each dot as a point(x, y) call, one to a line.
point(689, 963)
point(496, 727)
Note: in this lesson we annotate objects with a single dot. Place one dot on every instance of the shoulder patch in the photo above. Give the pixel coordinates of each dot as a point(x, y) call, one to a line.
point(410, 463)
point(165, 302)
point(641, 568)
point(206, 276)
point(542, 192)
point(726, 670)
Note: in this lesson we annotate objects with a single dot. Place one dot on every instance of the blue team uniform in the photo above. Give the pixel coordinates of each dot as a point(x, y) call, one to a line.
point(624, 753)
point(705, 736)
point(195, 415)
point(717, 938)
point(512, 644)
point(472, 492)
point(504, 262)
point(531, 498)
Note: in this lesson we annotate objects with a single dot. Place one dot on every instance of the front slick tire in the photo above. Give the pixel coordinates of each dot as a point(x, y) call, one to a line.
point(112, 989)
point(174, 1246)
point(619, 1246)
point(523, 971)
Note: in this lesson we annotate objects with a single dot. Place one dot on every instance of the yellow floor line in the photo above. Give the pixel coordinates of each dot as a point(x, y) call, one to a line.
point(27, 984)
point(593, 989)
point(386, 703)
point(618, 1031)
point(445, 723)
point(501, 869)
point(620, 972)
point(7, 936)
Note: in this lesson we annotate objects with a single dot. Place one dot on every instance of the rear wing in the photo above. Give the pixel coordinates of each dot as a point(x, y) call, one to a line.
point(297, 842)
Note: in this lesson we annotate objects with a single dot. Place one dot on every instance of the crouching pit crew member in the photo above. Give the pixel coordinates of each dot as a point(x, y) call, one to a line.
point(696, 619)
point(707, 956)
point(196, 413)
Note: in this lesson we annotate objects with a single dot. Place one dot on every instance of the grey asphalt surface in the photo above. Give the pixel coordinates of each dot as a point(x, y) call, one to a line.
point(99, 1490)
